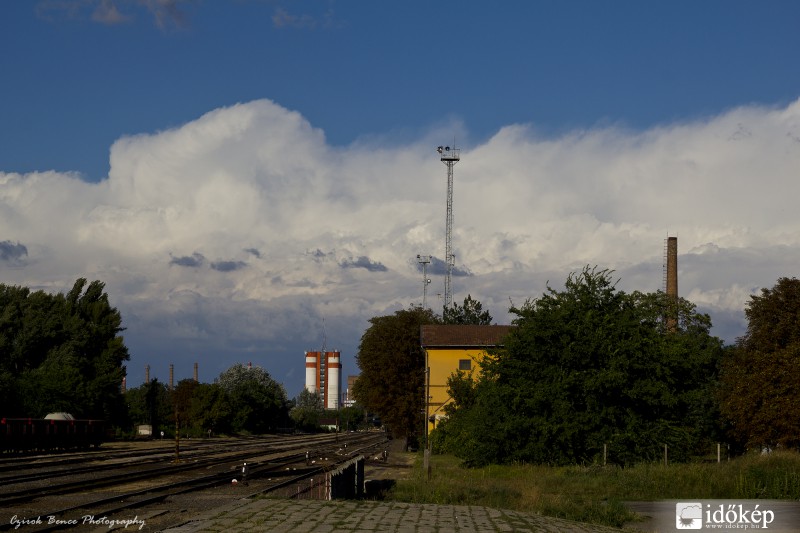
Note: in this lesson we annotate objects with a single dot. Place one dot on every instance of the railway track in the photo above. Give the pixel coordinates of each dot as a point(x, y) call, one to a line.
point(202, 453)
point(126, 494)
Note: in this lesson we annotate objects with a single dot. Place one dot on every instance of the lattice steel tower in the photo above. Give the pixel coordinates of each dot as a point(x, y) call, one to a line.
point(424, 260)
point(449, 156)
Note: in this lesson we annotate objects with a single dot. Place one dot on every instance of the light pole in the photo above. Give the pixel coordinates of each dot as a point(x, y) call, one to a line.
point(449, 157)
point(424, 260)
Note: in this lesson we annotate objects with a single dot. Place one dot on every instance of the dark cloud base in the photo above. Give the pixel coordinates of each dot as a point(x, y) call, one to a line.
point(12, 252)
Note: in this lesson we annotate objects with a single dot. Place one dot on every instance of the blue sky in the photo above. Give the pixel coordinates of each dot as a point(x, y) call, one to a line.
point(355, 69)
point(208, 158)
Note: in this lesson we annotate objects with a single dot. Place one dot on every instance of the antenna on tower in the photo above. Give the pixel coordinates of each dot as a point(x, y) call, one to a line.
point(324, 337)
point(449, 156)
point(424, 260)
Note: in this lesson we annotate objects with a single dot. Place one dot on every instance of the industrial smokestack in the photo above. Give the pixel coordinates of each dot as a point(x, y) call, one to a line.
point(171, 375)
point(196, 380)
point(672, 283)
point(146, 374)
point(672, 267)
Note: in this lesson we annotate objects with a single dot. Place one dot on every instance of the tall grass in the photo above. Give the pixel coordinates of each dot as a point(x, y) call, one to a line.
point(596, 494)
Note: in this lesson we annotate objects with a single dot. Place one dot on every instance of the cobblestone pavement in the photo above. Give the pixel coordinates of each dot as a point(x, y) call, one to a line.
point(312, 516)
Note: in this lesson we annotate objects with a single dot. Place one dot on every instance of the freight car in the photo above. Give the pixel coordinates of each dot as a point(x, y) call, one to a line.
point(55, 432)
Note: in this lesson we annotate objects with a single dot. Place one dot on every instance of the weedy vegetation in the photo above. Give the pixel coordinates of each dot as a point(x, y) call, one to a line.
point(596, 494)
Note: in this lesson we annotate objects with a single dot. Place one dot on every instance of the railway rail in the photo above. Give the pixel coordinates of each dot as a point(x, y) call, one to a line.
point(148, 481)
point(200, 453)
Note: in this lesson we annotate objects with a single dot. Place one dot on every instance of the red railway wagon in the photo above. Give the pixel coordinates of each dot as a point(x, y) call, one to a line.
point(44, 435)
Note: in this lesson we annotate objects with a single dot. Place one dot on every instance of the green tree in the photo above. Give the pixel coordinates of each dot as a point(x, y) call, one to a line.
point(470, 313)
point(392, 370)
point(57, 384)
point(61, 352)
point(93, 328)
point(352, 418)
point(158, 407)
point(258, 402)
point(149, 404)
point(694, 358)
point(136, 407)
point(307, 411)
point(586, 366)
point(760, 381)
point(181, 398)
point(210, 409)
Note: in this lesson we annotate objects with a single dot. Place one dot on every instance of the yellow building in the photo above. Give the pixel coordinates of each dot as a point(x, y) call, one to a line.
point(451, 348)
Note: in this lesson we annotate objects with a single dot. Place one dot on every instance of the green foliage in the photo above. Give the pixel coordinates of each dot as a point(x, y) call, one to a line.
point(760, 382)
point(470, 313)
point(257, 401)
point(352, 418)
point(307, 411)
point(136, 407)
point(150, 404)
point(210, 409)
point(773, 318)
point(61, 352)
point(392, 370)
point(586, 367)
point(182, 396)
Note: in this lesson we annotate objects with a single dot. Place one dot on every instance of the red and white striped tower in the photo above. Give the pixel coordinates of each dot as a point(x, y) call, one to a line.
point(333, 379)
point(312, 372)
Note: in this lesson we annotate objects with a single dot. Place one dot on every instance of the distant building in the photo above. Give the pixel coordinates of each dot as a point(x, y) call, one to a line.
point(324, 376)
point(348, 399)
point(448, 349)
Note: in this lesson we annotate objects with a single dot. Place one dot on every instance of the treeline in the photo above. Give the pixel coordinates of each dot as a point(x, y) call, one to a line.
point(65, 353)
point(592, 374)
point(242, 400)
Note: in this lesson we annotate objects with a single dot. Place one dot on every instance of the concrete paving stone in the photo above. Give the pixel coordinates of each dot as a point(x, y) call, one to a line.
point(309, 516)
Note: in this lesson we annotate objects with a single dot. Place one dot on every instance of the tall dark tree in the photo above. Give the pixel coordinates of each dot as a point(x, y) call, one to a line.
point(182, 396)
point(61, 352)
point(586, 366)
point(94, 327)
point(470, 313)
point(391, 383)
point(158, 407)
point(760, 382)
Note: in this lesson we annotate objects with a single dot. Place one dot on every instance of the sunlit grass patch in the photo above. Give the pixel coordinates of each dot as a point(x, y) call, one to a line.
point(596, 494)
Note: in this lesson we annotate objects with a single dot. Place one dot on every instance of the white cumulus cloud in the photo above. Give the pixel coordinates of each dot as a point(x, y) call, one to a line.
point(244, 234)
